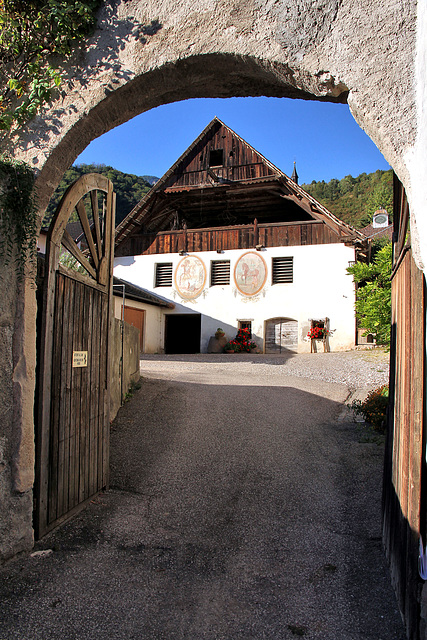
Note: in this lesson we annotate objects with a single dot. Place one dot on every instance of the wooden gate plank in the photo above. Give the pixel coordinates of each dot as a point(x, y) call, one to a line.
point(61, 291)
point(95, 408)
point(104, 395)
point(85, 389)
point(66, 404)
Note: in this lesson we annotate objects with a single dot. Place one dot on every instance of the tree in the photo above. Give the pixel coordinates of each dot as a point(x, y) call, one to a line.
point(354, 200)
point(373, 296)
point(36, 37)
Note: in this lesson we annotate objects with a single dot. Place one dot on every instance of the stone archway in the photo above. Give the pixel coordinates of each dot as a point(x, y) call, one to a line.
point(143, 55)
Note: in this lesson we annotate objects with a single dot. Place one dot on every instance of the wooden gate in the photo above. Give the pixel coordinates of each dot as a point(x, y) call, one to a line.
point(404, 498)
point(72, 435)
point(281, 335)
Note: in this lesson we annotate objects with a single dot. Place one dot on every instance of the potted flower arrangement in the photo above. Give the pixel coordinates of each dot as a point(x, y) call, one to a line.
point(241, 343)
point(219, 333)
point(317, 333)
point(231, 347)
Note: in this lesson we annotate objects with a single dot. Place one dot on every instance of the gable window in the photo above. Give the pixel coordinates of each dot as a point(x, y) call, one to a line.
point(220, 272)
point(163, 277)
point(216, 157)
point(283, 270)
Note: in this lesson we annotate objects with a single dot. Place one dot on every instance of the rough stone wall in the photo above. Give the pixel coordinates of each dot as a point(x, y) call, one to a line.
point(148, 53)
point(144, 54)
point(16, 420)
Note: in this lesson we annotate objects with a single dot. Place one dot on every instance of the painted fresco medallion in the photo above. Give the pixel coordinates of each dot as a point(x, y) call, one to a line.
point(190, 277)
point(250, 273)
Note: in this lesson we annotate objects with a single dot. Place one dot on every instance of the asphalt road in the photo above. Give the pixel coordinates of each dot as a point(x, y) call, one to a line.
point(242, 506)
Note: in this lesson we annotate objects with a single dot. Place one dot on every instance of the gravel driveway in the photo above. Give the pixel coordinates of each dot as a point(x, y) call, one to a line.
point(244, 505)
point(355, 369)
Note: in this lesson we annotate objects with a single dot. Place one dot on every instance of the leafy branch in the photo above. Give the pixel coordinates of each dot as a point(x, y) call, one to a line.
point(36, 37)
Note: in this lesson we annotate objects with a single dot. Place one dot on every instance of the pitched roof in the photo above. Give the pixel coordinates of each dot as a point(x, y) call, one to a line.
point(134, 292)
point(270, 180)
point(372, 232)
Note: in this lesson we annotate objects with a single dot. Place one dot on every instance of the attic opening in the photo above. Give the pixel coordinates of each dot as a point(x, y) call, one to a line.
point(216, 157)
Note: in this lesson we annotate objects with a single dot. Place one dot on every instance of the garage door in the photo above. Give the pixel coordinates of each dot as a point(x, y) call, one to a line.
point(281, 335)
point(136, 318)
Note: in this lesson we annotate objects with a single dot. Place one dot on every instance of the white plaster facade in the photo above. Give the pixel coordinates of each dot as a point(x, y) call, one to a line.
point(321, 288)
point(153, 331)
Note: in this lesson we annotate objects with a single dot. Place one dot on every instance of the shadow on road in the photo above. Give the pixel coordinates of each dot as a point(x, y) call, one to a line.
point(235, 512)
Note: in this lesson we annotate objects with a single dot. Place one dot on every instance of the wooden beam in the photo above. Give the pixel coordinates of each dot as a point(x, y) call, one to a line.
point(72, 247)
point(81, 210)
point(95, 215)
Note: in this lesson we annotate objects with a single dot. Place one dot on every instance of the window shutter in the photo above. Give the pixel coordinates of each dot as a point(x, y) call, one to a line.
point(220, 272)
point(164, 274)
point(283, 270)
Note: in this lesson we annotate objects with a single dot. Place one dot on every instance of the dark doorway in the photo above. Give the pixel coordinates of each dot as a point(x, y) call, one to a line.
point(182, 334)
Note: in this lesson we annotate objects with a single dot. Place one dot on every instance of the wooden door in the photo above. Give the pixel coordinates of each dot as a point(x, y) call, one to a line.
point(72, 435)
point(281, 335)
point(136, 317)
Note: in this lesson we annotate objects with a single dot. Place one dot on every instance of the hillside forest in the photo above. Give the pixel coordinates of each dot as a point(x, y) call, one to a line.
point(353, 200)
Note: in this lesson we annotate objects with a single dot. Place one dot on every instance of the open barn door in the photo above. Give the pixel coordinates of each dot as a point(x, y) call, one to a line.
point(72, 437)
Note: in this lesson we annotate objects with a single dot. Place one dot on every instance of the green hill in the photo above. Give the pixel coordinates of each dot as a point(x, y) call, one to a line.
point(128, 187)
point(355, 200)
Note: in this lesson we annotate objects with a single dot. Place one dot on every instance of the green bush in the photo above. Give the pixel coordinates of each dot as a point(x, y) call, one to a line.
point(373, 408)
point(373, 295)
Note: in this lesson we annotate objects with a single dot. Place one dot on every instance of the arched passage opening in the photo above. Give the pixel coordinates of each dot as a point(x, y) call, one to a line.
point(264, 52)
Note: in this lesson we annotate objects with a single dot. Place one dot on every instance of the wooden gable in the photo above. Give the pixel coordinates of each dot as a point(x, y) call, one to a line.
point(219, 156)
point(219, 185)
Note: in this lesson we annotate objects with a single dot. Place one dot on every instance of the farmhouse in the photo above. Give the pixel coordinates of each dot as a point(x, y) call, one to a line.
point(233, 242)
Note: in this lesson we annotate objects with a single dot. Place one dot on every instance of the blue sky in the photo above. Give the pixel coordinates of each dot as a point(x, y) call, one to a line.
point(323, 138)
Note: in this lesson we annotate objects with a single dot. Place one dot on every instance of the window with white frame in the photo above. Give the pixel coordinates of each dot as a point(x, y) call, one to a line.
point(283, 270)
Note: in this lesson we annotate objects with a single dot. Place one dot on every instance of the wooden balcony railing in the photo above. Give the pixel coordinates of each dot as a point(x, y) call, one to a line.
point(282, 234)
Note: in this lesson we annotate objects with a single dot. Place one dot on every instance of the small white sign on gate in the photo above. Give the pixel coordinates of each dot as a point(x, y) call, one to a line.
point(79, 359)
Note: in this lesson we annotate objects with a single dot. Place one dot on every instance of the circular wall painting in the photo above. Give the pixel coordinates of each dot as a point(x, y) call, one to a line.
point(250, 273)
point(190, 277)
